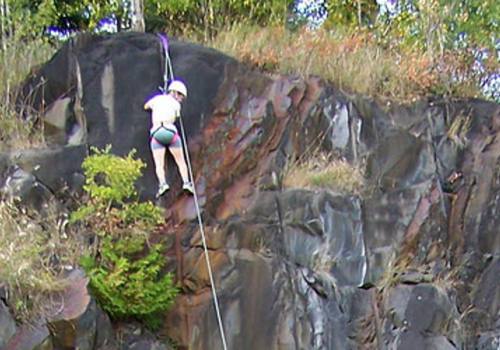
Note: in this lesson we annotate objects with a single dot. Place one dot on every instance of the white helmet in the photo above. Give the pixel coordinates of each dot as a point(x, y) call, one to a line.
point(178, 86)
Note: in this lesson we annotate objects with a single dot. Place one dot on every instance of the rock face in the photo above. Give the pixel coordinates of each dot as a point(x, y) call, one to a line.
point(410, 263)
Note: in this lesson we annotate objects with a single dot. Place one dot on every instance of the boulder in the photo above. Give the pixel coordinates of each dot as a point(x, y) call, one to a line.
point(99, 83)
point(80, 323)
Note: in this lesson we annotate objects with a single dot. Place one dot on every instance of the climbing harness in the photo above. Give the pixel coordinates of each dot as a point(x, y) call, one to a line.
point(164, 135)
point(169, 74)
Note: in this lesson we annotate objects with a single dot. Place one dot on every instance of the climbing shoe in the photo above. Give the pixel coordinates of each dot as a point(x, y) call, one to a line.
point(162, 189)
point(188, 186)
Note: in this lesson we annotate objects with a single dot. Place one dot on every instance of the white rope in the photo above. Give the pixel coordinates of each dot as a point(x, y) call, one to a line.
point(205, 248)
point(200, 221)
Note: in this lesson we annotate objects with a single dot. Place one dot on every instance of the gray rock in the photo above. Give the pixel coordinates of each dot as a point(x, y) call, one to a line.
point(7, 325)
point(30, 337)
point(487, 291)
point(55, 119)
point(23, 186)
point(438, 343)
point(489, 341)
point(429, 309)
point(36, 177)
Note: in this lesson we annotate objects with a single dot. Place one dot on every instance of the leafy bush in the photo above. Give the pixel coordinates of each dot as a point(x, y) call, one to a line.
point(127, 283)
point(109, 183)
point(320, 171)
point(110, 178)
point(126, 273)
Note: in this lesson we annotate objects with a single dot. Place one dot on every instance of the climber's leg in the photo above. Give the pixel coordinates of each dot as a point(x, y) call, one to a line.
point(158, 152)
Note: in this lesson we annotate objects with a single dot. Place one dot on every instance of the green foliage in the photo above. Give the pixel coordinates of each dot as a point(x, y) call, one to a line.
point(174, 16)
point(110, 184)
point(110, 178)
point(350, 13)
point(68, 15)
point(440, 24)
point(145, 212)
point(209, 17)
point(126, 273)
point(127, 284)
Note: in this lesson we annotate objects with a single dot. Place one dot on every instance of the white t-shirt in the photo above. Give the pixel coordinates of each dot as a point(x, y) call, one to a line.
point(164, 109)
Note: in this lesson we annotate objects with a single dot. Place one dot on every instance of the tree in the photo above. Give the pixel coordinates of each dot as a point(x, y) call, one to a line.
point(178, 16)
point(209, 16)
point(437, 25)
point(138, 24)
point(351, 13)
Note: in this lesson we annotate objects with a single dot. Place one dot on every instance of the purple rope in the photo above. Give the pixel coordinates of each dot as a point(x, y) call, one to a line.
point(164, 41)
point(164, 44)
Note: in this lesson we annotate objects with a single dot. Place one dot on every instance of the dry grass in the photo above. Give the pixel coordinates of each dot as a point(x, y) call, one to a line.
point(354, 61)
point(18, 58)
point(457, 132)
point(34, 252)
point(320, 171)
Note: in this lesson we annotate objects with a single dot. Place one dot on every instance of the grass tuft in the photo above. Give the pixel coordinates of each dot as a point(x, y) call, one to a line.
point(457, 132)
point(18, 59)
point(320, 171)
point(33, 254)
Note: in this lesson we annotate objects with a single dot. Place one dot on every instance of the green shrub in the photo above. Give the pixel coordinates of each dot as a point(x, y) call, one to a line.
point(127, 281)
point(109, 178)
point(126, 273)
point(110, 185)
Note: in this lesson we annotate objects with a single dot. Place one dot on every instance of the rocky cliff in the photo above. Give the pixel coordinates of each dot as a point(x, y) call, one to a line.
point(410, 263)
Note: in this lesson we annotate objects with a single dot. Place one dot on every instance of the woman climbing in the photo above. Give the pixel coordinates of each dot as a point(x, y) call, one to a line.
point(165, 108)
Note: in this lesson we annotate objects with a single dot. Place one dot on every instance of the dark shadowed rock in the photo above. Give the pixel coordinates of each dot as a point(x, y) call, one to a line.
point(135, 337)
point(95, 88)
point(30, 337)
point(35, 176)
point(7, 325)
point(487, 293)
point(23, 186)
point(80, 324)
point(414, 340)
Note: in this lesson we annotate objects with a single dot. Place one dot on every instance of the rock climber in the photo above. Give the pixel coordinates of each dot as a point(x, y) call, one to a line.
point(165, 108)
